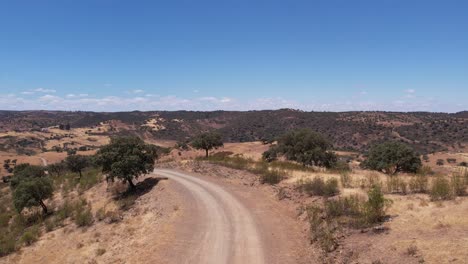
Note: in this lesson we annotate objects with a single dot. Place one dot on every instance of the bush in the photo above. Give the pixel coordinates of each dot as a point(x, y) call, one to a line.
point(30, 236)
point(7, 245)
point(419, 184)
point(319, 187)
point(396, 184)
point(374, 208)
point(440, 162)
point(100, 214)
point(458, 184)
point(82, 215)
point(100, 252)
point(344, 206)
point(321, 230)
point(346, 180)
point(441, 189)
point(271, 177)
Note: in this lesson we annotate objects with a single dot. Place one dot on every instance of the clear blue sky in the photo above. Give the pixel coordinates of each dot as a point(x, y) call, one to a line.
point(236, 55)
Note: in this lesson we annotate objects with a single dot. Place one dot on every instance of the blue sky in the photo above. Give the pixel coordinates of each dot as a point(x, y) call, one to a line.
point(234, 55)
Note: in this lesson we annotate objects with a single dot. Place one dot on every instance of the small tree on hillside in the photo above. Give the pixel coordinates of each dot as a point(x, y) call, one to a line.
point(24, 172)
point(127, 158)
point(392, 157)
point(304, 146)
point(76, 163)
point(32, 192)
point(56, 168)
point(207, 141)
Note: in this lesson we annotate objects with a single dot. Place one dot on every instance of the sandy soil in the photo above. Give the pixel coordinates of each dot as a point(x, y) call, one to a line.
point(138, 238)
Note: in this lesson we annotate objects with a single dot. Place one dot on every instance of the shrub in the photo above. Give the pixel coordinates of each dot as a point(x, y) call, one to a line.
point(271, 177)
point(396, 184)
point(49, 224)
point(82, 214)
point(440, 162)
point(100, 214)
point(321, 231)
point(100, 251)
point(458, 184)
point(344, 206)
point(463, 164)
point(346, 180)
point(341, 166)
point(319, 187)
point(30, 236)
point(374, 208)
point(441, 189)
point(7, 245)
point(419, 184)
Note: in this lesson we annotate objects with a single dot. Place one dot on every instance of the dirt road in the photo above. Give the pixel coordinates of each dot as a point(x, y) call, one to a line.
point(228, 226)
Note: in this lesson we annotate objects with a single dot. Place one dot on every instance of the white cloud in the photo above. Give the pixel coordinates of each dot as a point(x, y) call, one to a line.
point(136, 91)
point(42, 90)
point(147, 102)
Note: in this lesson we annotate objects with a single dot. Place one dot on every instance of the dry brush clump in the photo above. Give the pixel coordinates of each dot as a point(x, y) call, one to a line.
point(268, 174)
point(318, 187)
point(333, 215)
point(327, 220)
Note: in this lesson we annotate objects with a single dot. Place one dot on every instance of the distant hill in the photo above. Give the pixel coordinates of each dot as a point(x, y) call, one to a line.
point(427, 132)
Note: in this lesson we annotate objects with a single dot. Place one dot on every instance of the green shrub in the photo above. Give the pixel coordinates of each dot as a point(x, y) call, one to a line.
point(344, 206)
point(4, 219)
point(7, 244)
point(82, 214)
point(30, 236)
point(321, 230)
point(374, 208)
point(65, 211)
point(271, 177)
point(441, 189)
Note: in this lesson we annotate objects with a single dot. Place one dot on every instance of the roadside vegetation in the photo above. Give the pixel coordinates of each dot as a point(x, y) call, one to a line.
point(27, 204)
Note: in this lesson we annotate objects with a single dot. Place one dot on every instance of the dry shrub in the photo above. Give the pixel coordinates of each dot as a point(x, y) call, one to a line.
point(419, 183)
point(319, 187)
point(441, 189)
point(396, 184)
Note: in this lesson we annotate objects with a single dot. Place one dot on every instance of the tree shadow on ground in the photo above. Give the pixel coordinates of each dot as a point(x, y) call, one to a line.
point(127, 199)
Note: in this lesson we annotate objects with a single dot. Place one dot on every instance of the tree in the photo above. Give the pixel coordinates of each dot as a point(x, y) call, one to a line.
point(56, 168)
point(24, 172)
point(76, 163)
point(207, 141)
point(127, 158)
point(304, 146)
point(32, 192)
point(392, 157)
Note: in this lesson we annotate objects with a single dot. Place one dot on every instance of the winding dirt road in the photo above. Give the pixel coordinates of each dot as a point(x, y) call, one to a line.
point(222, 225)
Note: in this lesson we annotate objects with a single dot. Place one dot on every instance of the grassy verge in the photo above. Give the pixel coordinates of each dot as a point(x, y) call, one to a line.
point(268, 173)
